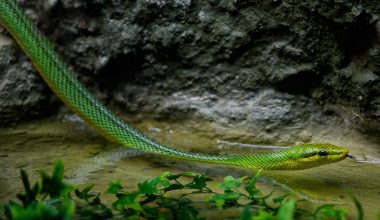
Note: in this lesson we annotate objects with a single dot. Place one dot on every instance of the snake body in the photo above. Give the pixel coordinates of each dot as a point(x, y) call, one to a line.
point(63, 82)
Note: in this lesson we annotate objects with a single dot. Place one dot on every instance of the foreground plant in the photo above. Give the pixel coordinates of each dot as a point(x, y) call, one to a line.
point(48, 199)
point(168, 196)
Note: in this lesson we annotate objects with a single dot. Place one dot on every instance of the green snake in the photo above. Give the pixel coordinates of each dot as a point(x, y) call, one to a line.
point(65, 85)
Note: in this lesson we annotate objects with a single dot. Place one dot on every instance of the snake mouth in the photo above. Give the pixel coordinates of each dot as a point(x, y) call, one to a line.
point(350, 156)
point(345, 153)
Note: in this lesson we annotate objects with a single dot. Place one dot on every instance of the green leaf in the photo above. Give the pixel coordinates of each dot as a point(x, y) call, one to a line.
point(281, 198)
point(41, 210)
point(321, 210)
point(128, 200)
point(88, 188)
point(36, 211)
point(324, 206)
point(30, 195)
point(286, 211)
point(54, 185)
point(199, 182)
point(251, 186)
point(148, 187)
point(265, 215)
point(255, 178)
point(96, 201)
point(114, 187)
point(246, 214)
point(231, 183)
point(58, 171)
point(174, 186)
point(358, 205)
point(67, 211)
point(332, 213)
point(84, 194)
point(221, 199)
point(151, 187)
point(218, 199)
point(174, 176)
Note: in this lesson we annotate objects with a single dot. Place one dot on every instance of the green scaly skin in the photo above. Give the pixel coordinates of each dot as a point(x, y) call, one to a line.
point(64, 84)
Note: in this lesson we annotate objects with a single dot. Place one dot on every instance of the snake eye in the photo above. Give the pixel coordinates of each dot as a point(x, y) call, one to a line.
point(322, 153)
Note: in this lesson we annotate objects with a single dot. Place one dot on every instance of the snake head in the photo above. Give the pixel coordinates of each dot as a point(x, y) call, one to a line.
point(313, 155)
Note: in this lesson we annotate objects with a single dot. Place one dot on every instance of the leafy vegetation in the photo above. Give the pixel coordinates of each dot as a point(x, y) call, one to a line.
point(168, 196)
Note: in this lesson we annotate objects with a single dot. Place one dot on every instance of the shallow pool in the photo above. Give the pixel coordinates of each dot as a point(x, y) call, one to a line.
point(89, 158)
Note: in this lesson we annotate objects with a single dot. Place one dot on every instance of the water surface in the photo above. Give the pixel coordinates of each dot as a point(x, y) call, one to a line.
point(89, 158)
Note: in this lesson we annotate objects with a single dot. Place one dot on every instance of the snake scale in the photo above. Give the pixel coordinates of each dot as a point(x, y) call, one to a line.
point(65, 85)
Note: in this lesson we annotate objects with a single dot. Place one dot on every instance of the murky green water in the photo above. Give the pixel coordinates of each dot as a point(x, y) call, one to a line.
point(89, 158)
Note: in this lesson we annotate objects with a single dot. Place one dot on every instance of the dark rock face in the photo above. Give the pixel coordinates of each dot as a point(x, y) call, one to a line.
point(22, 93)
point(264, 65)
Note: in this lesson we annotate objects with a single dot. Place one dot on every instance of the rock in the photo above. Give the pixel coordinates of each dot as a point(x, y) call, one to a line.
point(269, 65)
point(23, 95)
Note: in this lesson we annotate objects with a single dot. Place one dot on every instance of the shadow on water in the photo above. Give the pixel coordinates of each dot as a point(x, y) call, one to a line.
point(89, 158)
